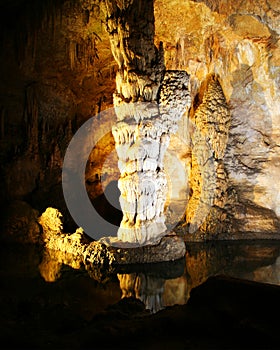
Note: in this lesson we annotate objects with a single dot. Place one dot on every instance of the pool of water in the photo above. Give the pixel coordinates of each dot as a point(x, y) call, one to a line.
point(35, 282)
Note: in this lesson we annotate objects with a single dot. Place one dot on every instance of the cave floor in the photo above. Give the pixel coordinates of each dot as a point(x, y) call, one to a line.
point(223, 295)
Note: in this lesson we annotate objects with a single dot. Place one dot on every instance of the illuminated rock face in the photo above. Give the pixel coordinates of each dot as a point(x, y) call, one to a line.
point(148, 103)
point(74, 75)
point(208, 177)
point(238, 41)
point(142, 136)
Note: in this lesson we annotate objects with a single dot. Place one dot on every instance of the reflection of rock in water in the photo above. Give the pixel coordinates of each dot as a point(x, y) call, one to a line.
point(155, 291)
point(176, 291)
point(169, 283)
point(52, 262)
point(269, 273)
point(50, 269)
point(149, 289)
point(249, 260)
point(107, 204)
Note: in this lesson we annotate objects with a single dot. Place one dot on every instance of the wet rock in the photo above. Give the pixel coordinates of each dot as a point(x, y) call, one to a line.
point(170, 247)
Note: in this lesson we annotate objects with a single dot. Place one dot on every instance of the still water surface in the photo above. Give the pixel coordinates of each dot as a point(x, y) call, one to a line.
point(33, 279)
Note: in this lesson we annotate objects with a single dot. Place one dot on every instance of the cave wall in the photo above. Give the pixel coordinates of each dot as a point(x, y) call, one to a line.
point(238, 41)
point(57, 71)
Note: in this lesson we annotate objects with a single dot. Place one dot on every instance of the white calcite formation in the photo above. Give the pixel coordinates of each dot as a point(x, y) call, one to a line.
point(142, 136)
point(148, 101)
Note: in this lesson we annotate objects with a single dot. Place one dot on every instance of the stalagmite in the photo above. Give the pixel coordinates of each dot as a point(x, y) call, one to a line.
point(148, 102)
point(208, 178)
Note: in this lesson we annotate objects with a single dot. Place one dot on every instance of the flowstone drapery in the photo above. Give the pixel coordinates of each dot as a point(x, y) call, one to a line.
point(142, 136)
point(148, 102)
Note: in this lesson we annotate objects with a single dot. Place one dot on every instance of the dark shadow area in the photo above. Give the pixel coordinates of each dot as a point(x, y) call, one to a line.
point(46, 304)
point(107, 204)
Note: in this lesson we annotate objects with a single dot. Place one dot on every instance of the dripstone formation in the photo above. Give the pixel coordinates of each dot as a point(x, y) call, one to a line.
point(208, 178)
point(148, 101)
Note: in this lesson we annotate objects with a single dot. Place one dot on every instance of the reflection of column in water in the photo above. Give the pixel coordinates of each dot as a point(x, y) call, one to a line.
point(267, 274)
point(176, 291)
point(149, 289)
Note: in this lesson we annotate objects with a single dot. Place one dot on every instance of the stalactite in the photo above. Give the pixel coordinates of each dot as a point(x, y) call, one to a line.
point(25, 22)
point(31, 118)
point(83, 52)
point(72, 54)
point(56, 158)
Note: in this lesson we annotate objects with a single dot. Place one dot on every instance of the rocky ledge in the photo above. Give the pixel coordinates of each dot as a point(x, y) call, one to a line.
point(170, 247)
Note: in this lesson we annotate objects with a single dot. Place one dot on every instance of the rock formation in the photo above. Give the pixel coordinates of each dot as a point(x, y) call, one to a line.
point(58, 70)
point(148, 103)
point(208, 179)
point(55, 57)
point(88, 252)
point(238, 42)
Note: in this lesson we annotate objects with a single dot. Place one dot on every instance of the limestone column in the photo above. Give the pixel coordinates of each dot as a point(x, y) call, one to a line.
point(148, 103)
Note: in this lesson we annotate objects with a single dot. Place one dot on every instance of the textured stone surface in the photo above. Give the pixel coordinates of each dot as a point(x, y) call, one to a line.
point(239, 42)
point(208, 179)
point(58, 70)
point(148, 103)
point(101, 253)
point(142, 136)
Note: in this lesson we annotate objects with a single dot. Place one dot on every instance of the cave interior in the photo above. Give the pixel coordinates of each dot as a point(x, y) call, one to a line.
point(195, 85)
